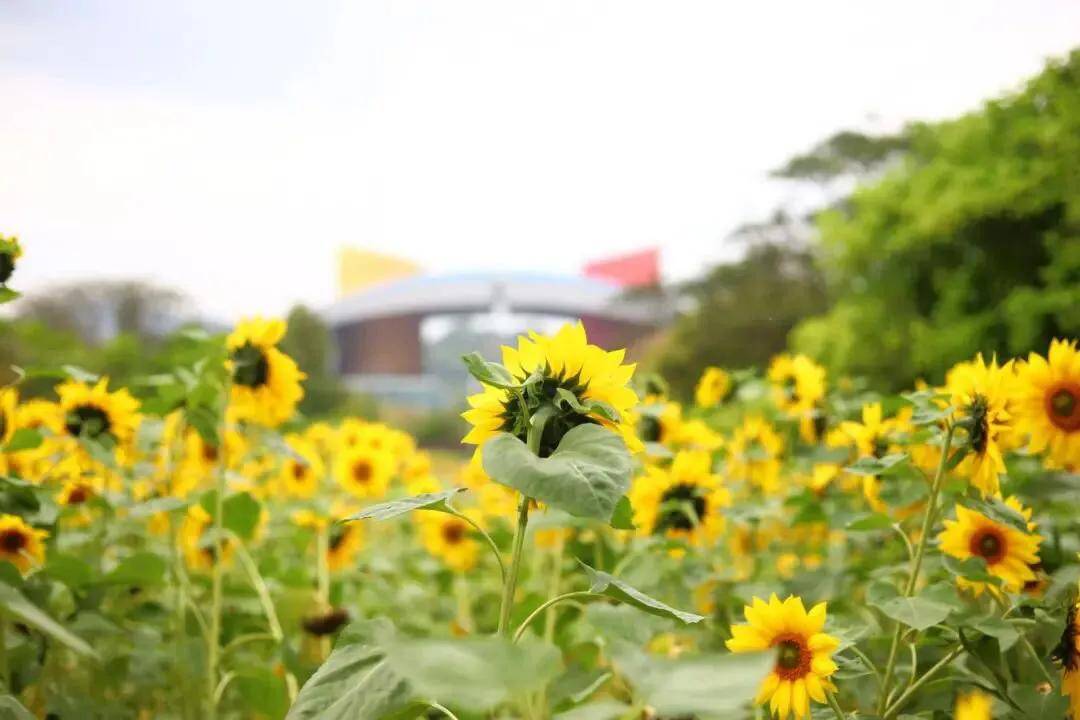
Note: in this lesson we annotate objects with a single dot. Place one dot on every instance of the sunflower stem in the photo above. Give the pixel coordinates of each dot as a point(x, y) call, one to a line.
point(322, 583)
point(834, 705)
point(213, 638)
point(515, 563)
point(926, 677)
point(916, 564)
point(546, 606)
point(5, 672)
point(554, 588)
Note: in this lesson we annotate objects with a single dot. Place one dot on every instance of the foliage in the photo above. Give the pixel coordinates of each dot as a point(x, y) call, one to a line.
point(970, 243)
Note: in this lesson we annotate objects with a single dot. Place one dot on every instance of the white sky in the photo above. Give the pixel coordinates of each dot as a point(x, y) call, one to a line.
point(229, 148)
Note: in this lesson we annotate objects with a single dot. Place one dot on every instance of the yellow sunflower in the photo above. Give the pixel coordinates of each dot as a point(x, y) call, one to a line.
point(449, 538)
point(364, 471)
point(199, 551)
point(1067, 653)
point(302, 470)
point(265, 381)
point(9, 400)
point(21, 544)
point(1009, 553)
point(803, 653)
point(973, 706)
point(981, 395)
point(345, 541)
point(1048, 403)
point(754, 454)
point(76, 491)
point(876, 437)
point(10, 252)
point(684, 501)
point(798, 383)
point(713, 387)
point(567, 361)
point(95, 413)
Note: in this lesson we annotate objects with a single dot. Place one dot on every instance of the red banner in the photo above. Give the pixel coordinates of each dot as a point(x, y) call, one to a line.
point(634, 270)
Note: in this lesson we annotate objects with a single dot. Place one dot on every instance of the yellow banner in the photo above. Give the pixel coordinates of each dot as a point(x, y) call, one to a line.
point(359, 269)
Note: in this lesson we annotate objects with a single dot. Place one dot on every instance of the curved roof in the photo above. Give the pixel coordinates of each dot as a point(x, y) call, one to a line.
point(518, 292)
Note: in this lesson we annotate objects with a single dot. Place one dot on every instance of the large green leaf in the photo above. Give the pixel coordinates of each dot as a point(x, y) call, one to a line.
point(876, 466)
point(141, 569)
point(241, 512)
point(705, 686)
point(603, 584)
point(474, 674)
point(428, 501)
point(599, 710)
point(586, 474)
point(356, 682)
point(24, 439)
point(916, 612)
point(18, 607)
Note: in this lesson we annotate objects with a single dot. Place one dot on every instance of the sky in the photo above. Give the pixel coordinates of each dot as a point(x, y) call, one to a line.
point(228, 149)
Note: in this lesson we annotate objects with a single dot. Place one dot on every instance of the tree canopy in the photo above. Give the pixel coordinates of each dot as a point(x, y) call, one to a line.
point(970, 242)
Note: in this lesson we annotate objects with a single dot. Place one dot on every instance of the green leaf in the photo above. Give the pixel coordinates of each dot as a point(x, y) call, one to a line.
point(17, 606)
point(567, 399)
point(876, 466)
point(7, 294)
point(474, 673)
point(870, 521)
point(69, 570)
point(141, 569)
point(77, 373)
point(603, 584)
point(428, 501)
point(705, 685)
point(994, 626)
point(23, 439)
point(1035, 705)
point(999, 512)
point(585, 476)
point(972, 568)
point(263, 691)
point(12, 709)
point(489, 373)
point(623, 516)
point(356, 682)
point(599, 710)
point(241, 512)
point(916, 612)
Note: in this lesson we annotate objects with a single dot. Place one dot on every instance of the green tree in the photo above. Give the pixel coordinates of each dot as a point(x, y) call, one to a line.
point(745, 310)
point(970, 243)
point(308, 342)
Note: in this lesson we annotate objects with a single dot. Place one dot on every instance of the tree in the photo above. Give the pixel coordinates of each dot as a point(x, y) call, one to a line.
point(745, 310)
point(307, 341)
point(970, 242)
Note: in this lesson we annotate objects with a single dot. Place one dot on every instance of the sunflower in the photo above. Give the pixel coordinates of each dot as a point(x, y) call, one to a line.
point(199, 551)
point(798, 383)
point(972, 706)
point(265, 381)
point(448, 538)
point(21, 544)
point(95, 413)
point(10, 251)
point(754, 454)
point(302, 469)
point(76, 491)
point(1009, 553)
point(684, 501)
point(981, 394)
point(568, 362)
point(1048, 403)
point(803, 653)
point(713, 387)
point(875, 437)
point(363, 471)
point(1067, 653)
point(9, 400)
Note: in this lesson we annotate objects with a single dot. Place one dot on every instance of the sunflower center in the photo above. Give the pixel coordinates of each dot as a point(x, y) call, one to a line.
point(650, 429)
point(980, 425)
point(792, 657)
point(791, 389)
point(1067, 651)
point(7, 266)
point(361, 472)
point(78, 495)
point(12, 541)
point(88, 420)
point(989, 545)
point(209, 453)
point(453, 533)
point(250, 366)
point(298, 471)
point(3, 424)
point(881, 447)
point(337, 536)
point(680, 499)
point(1063, 407)
point(821, 424)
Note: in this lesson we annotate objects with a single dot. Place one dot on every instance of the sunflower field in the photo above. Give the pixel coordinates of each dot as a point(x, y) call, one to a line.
point(788, 545)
